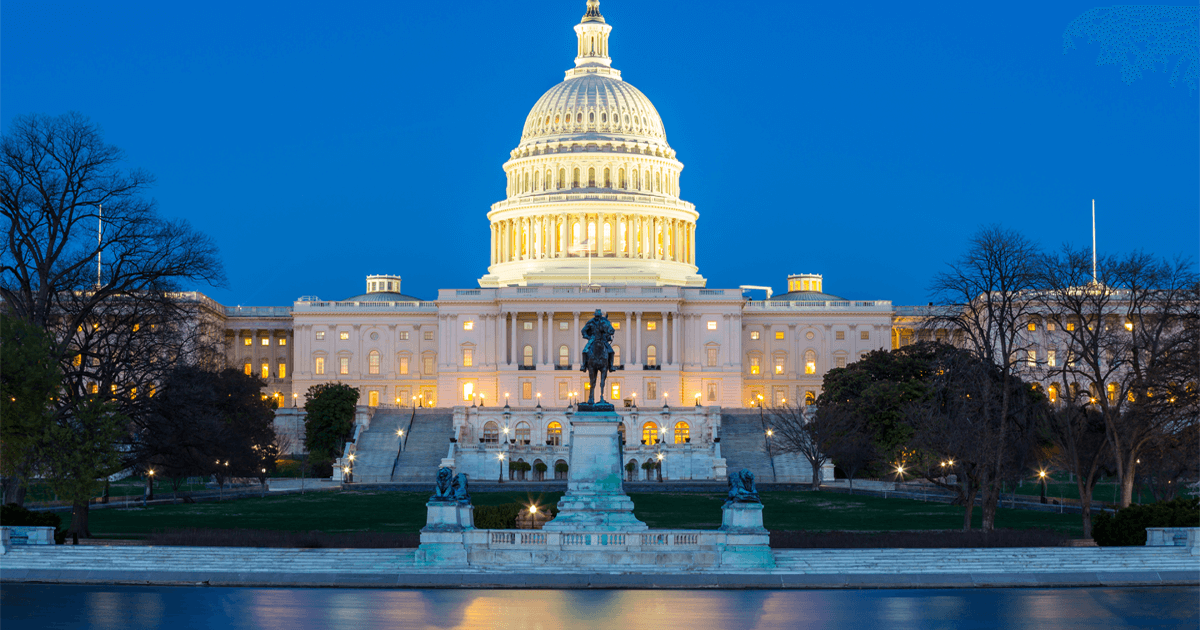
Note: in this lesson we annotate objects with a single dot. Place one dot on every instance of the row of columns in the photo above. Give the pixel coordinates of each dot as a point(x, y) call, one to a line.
point(505, 325)
point(629, 236)
point(652, 181)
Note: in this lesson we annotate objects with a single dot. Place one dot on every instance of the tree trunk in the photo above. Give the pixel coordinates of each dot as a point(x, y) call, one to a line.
point(816, 475)
point(991, 499)
point(79, 519)
point(1126, 482)
point(14, 491)
point(1085, 506)
point(969, 508)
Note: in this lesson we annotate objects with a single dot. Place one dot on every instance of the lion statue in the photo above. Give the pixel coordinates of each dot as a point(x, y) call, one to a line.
point(444, 491)
point(459, 489)
point(742, 488)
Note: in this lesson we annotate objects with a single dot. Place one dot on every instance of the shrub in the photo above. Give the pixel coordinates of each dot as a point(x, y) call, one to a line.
point(497, 516)
point(540, 467)
point(13, 514)
point(1128, 527)
point(918, 539)
point(287, 468)
point(560, 467)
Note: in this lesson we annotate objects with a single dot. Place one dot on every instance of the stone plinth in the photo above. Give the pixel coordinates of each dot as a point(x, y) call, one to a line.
point(742, 518)
point(595, 498)
point(442, 536)
point(747, 544)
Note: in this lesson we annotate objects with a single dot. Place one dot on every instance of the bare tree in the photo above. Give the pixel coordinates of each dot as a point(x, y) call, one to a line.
point(993, 285)
point(847, 438)
point(795, 429)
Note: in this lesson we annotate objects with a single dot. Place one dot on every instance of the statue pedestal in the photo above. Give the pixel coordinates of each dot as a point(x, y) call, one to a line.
point(742, 518)
point(442, 536)
point(747, 543)
point(595, 498)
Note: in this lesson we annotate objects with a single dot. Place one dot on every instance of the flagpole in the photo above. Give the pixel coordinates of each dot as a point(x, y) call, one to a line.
point(1093, 241)
point(99, 244)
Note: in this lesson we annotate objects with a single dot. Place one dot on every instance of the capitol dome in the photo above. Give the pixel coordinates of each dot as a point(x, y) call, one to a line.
point(593, 187)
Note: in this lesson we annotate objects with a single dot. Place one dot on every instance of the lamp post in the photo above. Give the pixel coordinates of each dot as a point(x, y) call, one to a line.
point(481, 399)
point(1042, 477)
point(658, 466)
point(500, 459)
point(767, 433)
point(150, 488)
point(294, 400)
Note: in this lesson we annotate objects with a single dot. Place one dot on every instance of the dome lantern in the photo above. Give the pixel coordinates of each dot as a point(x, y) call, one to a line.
point(591, 57)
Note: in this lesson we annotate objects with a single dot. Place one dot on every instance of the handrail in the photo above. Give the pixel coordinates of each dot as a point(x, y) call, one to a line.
point(403, 442)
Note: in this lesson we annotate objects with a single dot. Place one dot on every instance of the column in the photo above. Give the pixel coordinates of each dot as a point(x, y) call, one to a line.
point(666, 340)
point(538, 346)
point(637, 338)
point(550, 337)
point(677, 359)
point(729, 340)
point(512, 338)
point(551, 235)
point(578, 335)
point(629, 326)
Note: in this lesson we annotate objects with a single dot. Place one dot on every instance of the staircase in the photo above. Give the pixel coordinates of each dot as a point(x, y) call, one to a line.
point(428, 441)
point(743, 445)
point(375, 451)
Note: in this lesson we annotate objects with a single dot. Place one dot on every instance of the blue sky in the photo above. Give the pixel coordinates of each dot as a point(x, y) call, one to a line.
point(320, 142)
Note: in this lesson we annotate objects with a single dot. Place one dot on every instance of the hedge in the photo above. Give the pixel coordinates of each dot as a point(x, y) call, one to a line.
point(1128, 527)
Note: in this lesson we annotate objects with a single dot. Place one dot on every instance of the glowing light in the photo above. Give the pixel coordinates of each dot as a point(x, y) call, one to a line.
point(500, 457)
point(770, 432)
point(1042, 474)
point(151, 472)
point(533, 509)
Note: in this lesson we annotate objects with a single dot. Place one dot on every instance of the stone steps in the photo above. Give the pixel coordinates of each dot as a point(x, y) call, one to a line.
point(428, 442)
point(377, 447)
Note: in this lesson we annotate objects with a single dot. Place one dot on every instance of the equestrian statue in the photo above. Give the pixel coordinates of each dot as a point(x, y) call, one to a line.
point(597, 359)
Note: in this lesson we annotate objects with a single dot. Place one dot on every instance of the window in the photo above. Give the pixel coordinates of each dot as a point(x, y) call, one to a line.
point(866, 334)
point(522, 432)
point(562, 390)
point(712, 392)
point(754, 335)
point(616, 325)
point(1070, 326)
point(404, 335)
point(1052, 393)
point(554, 434)
point(282, 369)
point(527, 356)
point(651, 325)
point(468, 325)
point(651, 390)
point(428, 335)
point(320, 335)
point(839, 335)
point(840, 362)
point(1050, 358)
point(616, 354)
point(319, 367)
point(1112, 391)
point(712, 325)
point(651, 355)
point(564, 325)
point(527, 325)
point(564, 356)
point(468, 357)
point(779, 365)
point(1031, 358)
point(283, 341)
point(95, 388)
point(248, 368)
point(343, 365)
point(754, 365)
point(491, 433)
point(373, 362)
point(1050, 327)
point(404, 365)
point(245, 342)
point(373, 398)
point(712, 356)
point(427, 364)
point(810, 397)
point(616, 391)
point(468, 391)
point(266, 370)
point(649, 433)
point(682, 432)
point(779, 334)
point(810, 362)
point(265, 341)
point(343, 336)
point(1032, 326)
point(527, 390)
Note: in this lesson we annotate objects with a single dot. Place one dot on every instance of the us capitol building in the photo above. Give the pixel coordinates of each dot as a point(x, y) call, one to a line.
point(593, 217)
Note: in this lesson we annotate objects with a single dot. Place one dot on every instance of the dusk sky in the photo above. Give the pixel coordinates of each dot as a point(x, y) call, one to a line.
point(321, 142)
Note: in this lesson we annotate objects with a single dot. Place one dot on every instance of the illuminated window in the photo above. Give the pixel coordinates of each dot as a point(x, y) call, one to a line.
point(566, 325)
point(404, 365)
point(1050, 358)
point(282, 341)
point(1112, 391)
point(373, 398)
point(754, 365)
point(616, 354)
point(810, 362)
point(77, 361)
point(651, 355)
point(468, 391)
point(682, 432)
point(428, 335)
point(266, 341)
point(491, 433)
point(778, 365)
point(343, 365)
point(468, 357)
point(282, 369)
point(1032, 326)
point(616, 391)
point(562, 389)
point(319, 366)
point(1050, 326)
point(373, 362)
point(527, 356)
point(616, 326)
point(651, 325)
point(1031, 358)
point(554, 433)
point(404, 335)
point(320, 335)
point(1070, 326)
point(712, 325)
point(712, 356)
point(343, 336)
point(522, 432)
point(1052, 393)
point(839, 335)
point(95, 388)
point(427, 364)
point(864, 334)
point(840, 362)
point(779, 334)
point(712, 392)
point(527, 325)
point(810, 398)
point(651, 390)
point(137, 327)
point(248, 369)
point(246, 341)
point(468, 325)
point(649, 433)
point(527, 390)
point(564, 356)
point(754, 335)
point(266, 370)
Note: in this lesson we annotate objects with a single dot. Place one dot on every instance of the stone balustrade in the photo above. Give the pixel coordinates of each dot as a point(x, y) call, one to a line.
point(1174, 537)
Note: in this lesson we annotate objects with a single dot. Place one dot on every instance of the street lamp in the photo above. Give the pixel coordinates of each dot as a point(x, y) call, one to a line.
point(294, 400)
point(658, 467)
point(481, 400)
point(500, 459)
point(506, 400)
point(1042, 476)
point(539, 400)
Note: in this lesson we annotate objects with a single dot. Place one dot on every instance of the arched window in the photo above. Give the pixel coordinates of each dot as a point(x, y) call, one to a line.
point(249, 368)
point(1052, 393)
point(608, 244)
point(637, 180)
point(682, 433)
point(266, 370)
point(373, 362)
point(562, 178)
point(607, 179)
point(591, 178)
point(658, 182)
point(537, 180)
point(491, 433)
point(575, 235)
point(564, 356)
point(373, 398)
point(522, 432)
point(810, 398)
point(651, 355)
point(616, 354)
point(554, 434)
point(603, 118)
point(810, 362)
point(620, 178)
point(649, 433)
point(575, 179)
point(591, 117)
point(527, 356)
point(591, 235)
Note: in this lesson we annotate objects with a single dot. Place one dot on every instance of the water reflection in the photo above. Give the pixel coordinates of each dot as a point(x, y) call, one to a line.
point(176, 608)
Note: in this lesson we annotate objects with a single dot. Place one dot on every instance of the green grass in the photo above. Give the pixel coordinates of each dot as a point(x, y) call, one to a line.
point(354, 511)
point(1059, 486)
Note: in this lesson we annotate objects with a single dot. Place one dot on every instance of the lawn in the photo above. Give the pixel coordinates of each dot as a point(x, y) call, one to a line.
point(355, 511)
